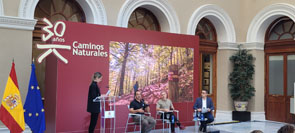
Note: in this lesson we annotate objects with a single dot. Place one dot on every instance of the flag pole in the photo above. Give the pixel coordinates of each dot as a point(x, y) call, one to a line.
point(12, 115)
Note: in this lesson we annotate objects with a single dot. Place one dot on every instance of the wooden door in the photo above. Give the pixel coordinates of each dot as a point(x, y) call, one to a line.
point(208, 75)
point(275, 88)
point(290, 85)
point(207, 66)
point(280, 69)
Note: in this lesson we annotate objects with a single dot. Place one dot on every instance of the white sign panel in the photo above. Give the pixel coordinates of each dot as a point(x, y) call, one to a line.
point(109, 114)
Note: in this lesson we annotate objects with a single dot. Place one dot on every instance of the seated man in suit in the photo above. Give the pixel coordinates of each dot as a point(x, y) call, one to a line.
point(167, 107)
point(139, 106)
point(204, 105)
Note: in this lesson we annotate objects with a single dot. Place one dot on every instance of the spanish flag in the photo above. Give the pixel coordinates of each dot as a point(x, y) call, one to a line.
point(11, 110)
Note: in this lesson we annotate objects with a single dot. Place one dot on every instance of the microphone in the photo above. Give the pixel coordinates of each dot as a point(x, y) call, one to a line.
point(109, 91)
point(143, 103)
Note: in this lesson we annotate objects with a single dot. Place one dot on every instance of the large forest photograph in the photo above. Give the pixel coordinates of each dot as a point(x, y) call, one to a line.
point(150, 69)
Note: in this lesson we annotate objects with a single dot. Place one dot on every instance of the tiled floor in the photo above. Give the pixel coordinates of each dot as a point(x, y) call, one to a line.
point(242, 127)
point(247, 127)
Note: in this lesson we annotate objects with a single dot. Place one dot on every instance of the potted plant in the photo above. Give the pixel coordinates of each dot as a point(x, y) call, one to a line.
point(241, 89)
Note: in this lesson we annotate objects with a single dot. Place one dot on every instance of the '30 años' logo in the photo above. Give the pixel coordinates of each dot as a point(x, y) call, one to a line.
point(51, 48)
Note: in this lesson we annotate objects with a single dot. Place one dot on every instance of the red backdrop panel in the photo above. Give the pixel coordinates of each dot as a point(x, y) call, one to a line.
point(67, 84)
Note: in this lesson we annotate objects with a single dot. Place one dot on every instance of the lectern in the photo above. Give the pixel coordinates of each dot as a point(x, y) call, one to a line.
point(107, 111)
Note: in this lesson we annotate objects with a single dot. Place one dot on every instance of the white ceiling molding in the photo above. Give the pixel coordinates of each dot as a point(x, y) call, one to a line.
point(228, 46)
point(17, 23)
point(220, 19)
point(234, 46)
point(164, 12)
point(94, 10)
point(253, 45)
point(260, 23)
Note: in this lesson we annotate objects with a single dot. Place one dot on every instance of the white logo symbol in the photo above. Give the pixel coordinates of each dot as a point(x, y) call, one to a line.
point(52, 47)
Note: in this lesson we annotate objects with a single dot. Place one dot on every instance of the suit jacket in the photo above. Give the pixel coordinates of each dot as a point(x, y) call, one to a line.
point(94, 91)
point(199, 103)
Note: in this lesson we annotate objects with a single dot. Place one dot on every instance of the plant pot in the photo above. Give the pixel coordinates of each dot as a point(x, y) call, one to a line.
point(241, 105)
point(241, 116)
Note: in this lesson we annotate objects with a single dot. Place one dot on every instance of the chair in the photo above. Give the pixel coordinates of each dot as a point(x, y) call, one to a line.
point(131, 122)
point(163, 120)
point(211, 125)
point(213, 116)
point(198, 120)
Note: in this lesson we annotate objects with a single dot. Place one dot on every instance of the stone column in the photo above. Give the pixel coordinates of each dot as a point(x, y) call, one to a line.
point(256, 104)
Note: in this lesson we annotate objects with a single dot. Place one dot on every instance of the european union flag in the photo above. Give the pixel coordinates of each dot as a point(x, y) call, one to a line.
point(34, 110)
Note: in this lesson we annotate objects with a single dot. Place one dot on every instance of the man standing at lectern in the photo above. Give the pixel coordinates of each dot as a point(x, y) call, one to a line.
point(139, 106)
point(204, 106)
point(93, 106)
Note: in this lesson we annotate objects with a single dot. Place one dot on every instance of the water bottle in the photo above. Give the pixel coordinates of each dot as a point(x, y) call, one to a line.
point(202, 117)
point(196, 116)
point(172, 119)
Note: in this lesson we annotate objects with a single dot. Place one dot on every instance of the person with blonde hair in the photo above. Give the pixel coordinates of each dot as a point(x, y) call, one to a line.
point(93, 106)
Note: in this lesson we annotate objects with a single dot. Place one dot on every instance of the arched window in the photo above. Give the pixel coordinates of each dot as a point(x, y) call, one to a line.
point(281, 29)
point(206, 31)
point(208, 49)
point(53, 10)
point(142, 18)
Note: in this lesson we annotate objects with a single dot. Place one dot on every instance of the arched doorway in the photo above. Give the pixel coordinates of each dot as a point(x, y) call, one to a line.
point(280, 69)
point(208, 49)
point(53, 10)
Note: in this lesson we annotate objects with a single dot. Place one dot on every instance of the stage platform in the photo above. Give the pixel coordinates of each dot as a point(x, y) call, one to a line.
point(223, 127)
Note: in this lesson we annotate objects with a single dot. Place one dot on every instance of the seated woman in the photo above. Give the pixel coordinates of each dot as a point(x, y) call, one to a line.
point(166, 105)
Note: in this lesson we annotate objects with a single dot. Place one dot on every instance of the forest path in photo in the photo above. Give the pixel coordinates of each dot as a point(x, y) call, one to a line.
point(150, 93)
